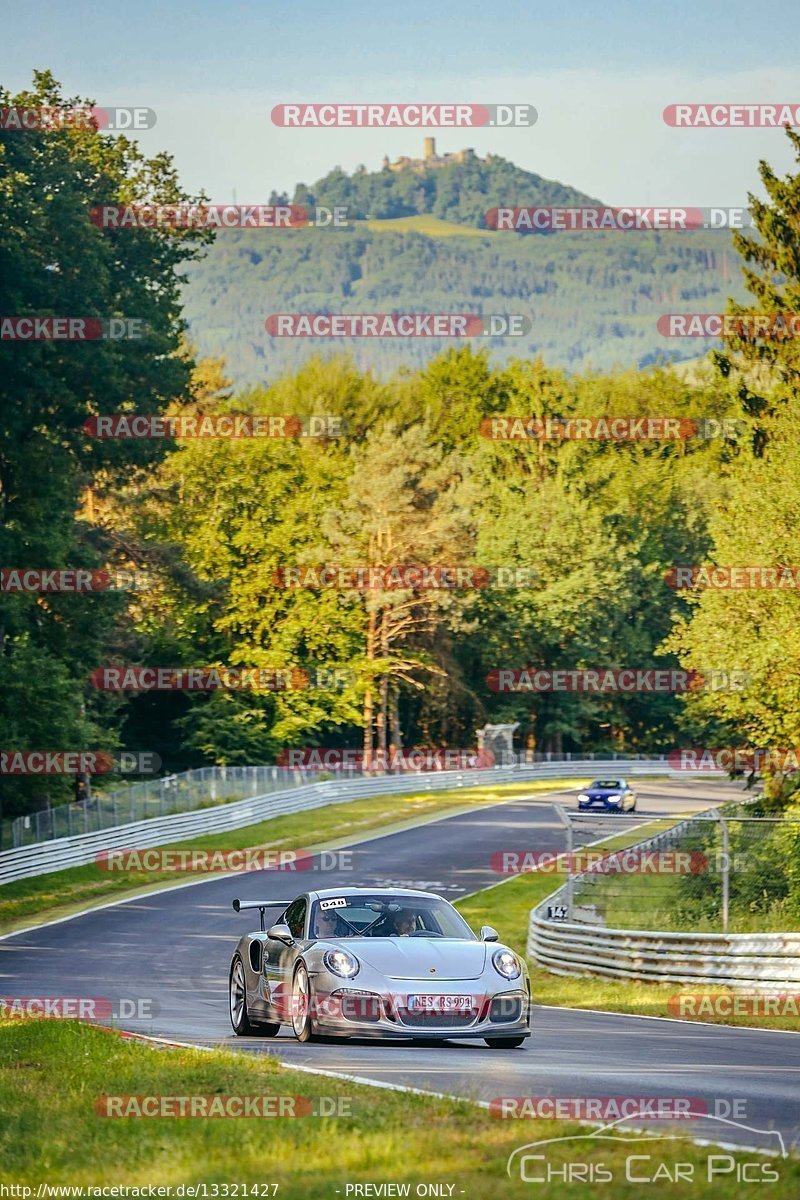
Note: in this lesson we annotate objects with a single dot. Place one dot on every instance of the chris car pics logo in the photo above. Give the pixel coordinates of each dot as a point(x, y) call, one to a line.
point(649, 1157)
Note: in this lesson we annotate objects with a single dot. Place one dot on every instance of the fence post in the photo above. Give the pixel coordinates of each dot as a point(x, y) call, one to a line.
point(726, 869)
point(564, 817)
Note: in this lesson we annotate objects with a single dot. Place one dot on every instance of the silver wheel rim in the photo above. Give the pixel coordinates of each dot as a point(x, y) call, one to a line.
point(300, 1002)
point(237, 995)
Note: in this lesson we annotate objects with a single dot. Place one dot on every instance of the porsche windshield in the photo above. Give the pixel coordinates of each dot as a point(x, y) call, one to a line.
point(381, 915)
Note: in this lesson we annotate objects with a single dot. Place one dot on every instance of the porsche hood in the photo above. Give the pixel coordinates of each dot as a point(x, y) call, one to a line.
point(420, 958)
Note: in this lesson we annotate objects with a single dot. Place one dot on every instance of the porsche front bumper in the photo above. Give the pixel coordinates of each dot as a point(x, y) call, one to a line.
point(353, 1012)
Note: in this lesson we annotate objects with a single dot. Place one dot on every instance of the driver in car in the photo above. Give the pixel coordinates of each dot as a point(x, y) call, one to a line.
point(405, 922)
point(327, 924)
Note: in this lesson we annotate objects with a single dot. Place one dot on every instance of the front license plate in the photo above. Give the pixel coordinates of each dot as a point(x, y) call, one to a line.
point(440, 1004)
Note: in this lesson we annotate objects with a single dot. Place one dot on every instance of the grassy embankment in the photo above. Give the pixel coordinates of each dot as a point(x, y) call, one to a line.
point(53, 1073)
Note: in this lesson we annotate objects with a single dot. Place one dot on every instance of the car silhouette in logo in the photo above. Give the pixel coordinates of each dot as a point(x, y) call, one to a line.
point(609, 1132)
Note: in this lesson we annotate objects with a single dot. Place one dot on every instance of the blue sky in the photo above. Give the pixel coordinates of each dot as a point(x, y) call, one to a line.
point(599, 74)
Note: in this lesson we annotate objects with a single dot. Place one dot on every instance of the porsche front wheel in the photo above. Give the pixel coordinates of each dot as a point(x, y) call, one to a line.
point(302, 1003)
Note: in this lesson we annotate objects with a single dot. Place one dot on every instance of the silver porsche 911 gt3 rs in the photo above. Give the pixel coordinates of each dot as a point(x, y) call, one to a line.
point(388, 963)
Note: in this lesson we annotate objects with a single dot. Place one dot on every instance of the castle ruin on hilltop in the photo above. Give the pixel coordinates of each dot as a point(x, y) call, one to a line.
point(430, 159)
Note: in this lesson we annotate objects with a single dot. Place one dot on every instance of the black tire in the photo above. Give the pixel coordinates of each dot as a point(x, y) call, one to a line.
point(237, 999)
point(237, 1005)
point(504, 1043)
point(302, 1000)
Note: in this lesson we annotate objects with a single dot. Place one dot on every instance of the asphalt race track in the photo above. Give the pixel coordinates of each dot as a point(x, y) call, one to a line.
point(172, 950)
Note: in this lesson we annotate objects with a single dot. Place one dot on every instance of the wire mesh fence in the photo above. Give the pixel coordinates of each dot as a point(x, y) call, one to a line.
point(186, 792)
point(207, 786)
point(716, 872)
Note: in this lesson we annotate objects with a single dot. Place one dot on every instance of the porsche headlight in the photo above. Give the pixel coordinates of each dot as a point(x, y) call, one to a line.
point(340, 963)
point(583, 796)
point(506, 964)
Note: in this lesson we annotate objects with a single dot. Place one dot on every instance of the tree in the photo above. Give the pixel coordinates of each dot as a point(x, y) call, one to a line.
point(765, 368)
point(402, 509)
point(55, 262)
point(756, 525)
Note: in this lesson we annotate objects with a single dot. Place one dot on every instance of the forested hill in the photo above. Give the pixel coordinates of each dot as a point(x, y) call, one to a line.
point(593, 299)
point(461, 192)
point(415, 242)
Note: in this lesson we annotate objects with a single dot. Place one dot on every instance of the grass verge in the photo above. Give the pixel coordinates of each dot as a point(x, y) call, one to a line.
point(53, 1073)
point(427, 224)
point(63, 893)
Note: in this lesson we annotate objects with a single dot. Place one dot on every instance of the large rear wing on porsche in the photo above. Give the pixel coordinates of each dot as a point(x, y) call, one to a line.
point(261, 905)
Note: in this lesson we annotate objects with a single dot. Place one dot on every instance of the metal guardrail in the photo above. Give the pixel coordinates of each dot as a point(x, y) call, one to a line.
point(759, 961)
point(46, 857)
point(764, 961)
point(200, 788)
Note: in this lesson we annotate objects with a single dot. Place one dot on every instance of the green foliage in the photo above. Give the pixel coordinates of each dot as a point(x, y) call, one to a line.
point(596, 524)
point(756, 520)
point(462, 192)
point(55, 262)
point(593, 299)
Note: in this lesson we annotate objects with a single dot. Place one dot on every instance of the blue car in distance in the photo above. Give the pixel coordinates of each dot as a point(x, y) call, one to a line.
point(608, 795)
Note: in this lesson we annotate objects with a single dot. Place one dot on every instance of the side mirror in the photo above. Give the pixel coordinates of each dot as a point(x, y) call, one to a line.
point(281, 933)
point(488, 934)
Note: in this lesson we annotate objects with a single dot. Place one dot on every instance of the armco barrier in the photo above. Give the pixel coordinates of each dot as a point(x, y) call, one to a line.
point(758, 961)
point(761, 962)
point(43, 858)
